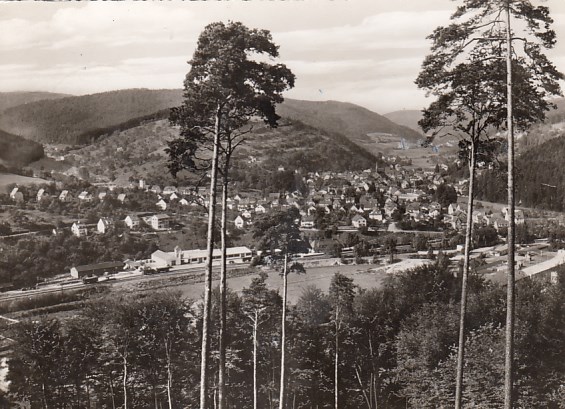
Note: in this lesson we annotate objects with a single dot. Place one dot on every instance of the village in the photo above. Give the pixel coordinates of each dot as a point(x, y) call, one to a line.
point(420, 208)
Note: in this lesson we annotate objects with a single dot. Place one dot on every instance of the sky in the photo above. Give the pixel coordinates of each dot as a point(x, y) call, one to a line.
point(367, 52)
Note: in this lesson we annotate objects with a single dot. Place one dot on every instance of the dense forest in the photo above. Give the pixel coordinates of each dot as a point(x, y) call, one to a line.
point(13, 99)
point(539, 181)
point(395, 347)
point(17, 151)
point(79, 120)
point(348, 119)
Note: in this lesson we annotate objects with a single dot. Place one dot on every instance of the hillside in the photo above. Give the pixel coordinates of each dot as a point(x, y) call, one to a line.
point(406, 117)
point(139, 152)
point(13, 99)
point(17, 151)
point(539, 179)
point(83, 119)
point(359, 124)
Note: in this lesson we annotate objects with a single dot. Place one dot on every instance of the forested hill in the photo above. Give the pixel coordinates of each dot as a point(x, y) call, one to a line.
point(82, 119)
point(406, 117)
point(13, 99)
point(17, 151)
point(350, 120)
point(540, 180)
point(139, 152)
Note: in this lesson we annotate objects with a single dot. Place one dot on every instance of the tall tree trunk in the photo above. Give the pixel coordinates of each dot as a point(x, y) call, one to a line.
point(169, 375)
point(283, 332)
point(336, 364)
point(205, 349)
point(124, 382)
point(464, 278)
point(255, 324)
point(510, 295)
point(223, 290)
point(112, 393)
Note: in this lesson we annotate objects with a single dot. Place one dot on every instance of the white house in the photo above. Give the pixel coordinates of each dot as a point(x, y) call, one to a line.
point(376, 214)
point(16, 195)
point(79, 229)
point(169, 190)
point(65, 196)
point(132, 221)
point(260, 209)
point(122, 197)
point(358, 221)
point(161, 204)
point(87, 197)
point(160, 221)
point(41, 193)
point(307, 222)
point(104, 224)
point(239, 222)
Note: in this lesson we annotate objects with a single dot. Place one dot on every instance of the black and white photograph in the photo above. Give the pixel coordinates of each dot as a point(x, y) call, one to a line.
point(270, 204)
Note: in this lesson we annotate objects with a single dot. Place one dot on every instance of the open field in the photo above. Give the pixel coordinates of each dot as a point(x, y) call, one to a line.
point(364, 275)
point(8, 178)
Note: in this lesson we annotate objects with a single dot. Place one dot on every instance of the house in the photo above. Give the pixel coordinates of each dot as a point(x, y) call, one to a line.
point(65, 196)
point(260, 209)
point(104, 224)
point(355, 209)
point(452, 208)
point(390, 207)
point(122, 197)
point(16, 195)
point(358, 221)
point(165, 259)
point(173, 196)
point(413, 209)
point(132, 221)
point(183, 202)
point(41, 193)
point(376, 214)
point(98, 269)
point(161, 204)
point(102, 195)
point(79, 229)
point(230, 203)
point(499, 224)
point(156, 189)
point(169, 190)
point(160, 221)
point(307, 222)
point(85, 196)
point(518, 215)
point(239, 222)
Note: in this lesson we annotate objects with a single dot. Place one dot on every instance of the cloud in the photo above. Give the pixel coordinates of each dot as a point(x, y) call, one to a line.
point(398, 30)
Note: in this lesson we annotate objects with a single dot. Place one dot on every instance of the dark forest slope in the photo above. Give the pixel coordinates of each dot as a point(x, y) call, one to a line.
point(83, 119)
point(13, 99)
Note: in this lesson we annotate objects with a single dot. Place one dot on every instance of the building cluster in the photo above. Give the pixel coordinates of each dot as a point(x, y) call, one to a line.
point(361, 198)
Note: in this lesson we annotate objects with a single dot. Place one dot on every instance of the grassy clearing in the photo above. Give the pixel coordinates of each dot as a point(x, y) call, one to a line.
point(9, 178)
